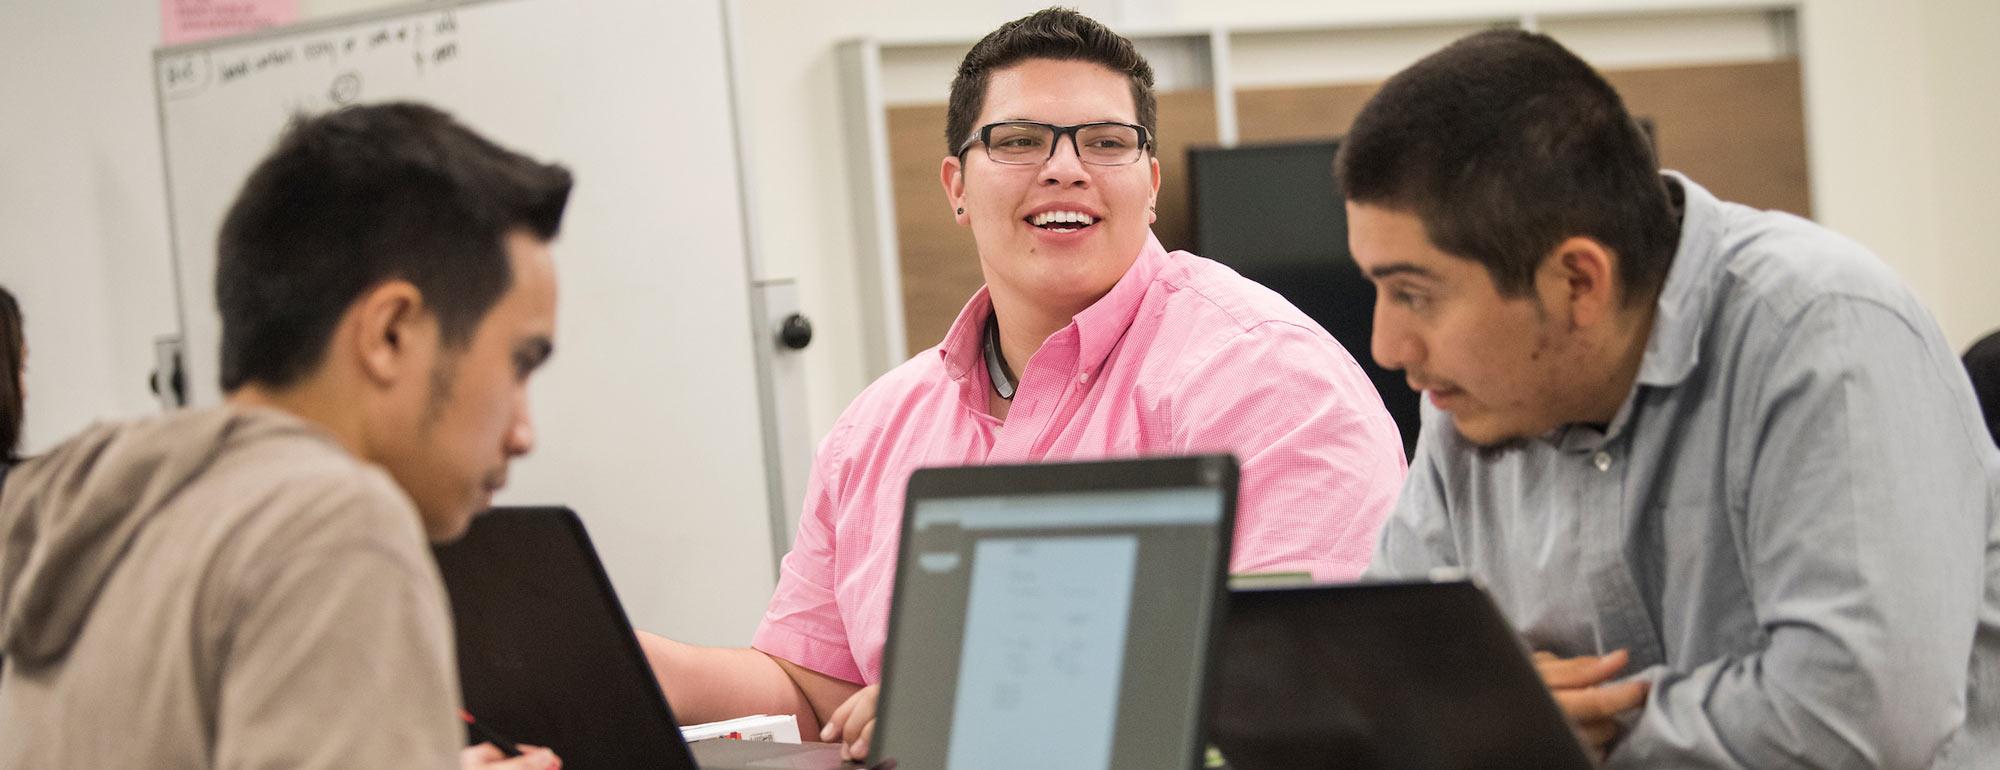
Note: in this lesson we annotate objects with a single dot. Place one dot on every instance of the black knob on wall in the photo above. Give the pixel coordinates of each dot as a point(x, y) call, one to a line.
point(795, 332)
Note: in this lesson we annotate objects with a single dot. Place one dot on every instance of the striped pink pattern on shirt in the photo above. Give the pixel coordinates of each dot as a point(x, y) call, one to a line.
point(1182, 356)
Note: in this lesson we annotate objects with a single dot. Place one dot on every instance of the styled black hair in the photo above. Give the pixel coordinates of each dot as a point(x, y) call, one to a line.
point(13, 349)
point(1504, 144)
point(363, 195)
point(1052, 33)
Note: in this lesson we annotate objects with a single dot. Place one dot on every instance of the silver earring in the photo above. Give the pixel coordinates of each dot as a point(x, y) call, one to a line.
point(961, 211)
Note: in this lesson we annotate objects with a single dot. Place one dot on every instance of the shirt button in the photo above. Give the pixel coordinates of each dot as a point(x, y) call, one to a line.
point(1083, 378)
point(1602, 461)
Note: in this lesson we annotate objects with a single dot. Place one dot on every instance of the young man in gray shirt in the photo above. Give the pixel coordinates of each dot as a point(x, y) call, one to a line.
point(1717, 464)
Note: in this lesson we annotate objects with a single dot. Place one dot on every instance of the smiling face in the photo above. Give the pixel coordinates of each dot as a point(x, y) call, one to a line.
point(1056, 235)
point(1504, 368)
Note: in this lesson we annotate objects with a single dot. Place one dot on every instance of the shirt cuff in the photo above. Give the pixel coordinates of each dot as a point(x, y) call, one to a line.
point(831, 658)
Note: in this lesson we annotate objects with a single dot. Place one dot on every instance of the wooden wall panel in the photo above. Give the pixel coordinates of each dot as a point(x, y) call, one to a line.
point(1301, 114)
point(1187, 119)
point(1738, 129)
point(940, 268)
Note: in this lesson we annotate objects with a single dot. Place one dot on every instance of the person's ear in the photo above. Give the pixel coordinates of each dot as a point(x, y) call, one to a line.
point(1153, 201)
point(1579, 279)
point(952, 175)
point(392, 327)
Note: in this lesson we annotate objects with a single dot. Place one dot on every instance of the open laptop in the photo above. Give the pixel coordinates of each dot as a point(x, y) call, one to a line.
point(1412, 676)
point(1056, 616)
point(547, 657)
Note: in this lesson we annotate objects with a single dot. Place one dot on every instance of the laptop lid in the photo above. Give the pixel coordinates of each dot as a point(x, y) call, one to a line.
point(1412, 676)
point(545, 653)
point(1056, 616)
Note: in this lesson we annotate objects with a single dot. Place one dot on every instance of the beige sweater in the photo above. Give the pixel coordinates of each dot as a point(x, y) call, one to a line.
point(219, 588)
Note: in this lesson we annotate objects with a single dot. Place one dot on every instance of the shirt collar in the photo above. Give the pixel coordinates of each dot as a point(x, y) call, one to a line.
point(1673, 347)
point(1098, 327)
point(1687, 299)
point(964, 342)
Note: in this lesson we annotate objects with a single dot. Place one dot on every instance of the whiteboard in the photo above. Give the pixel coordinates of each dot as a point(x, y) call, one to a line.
point(648, 418)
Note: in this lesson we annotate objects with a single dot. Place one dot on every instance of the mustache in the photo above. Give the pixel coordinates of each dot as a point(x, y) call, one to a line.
point(1420, 381)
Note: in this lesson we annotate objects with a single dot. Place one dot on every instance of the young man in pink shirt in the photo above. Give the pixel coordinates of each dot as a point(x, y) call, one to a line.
point(1089, 340)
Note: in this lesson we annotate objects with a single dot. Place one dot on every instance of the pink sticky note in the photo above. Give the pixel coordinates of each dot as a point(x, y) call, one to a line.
point(187, 21)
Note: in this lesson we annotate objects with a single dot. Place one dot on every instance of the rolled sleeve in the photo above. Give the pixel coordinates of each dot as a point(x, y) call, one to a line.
point(803, 623)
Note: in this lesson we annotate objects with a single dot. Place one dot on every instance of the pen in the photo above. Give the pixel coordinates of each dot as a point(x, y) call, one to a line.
point(487, 734)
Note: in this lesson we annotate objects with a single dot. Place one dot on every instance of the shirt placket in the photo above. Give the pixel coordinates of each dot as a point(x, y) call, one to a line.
point(1625, 624)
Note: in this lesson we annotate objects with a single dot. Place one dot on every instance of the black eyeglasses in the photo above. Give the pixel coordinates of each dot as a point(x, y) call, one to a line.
point(1028, 143)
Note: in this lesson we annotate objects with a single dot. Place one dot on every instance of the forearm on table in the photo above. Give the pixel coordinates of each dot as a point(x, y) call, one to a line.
point(709, 684)
point(1808, 699)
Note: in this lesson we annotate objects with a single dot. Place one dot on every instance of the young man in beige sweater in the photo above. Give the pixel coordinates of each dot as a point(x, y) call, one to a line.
point(249, 585)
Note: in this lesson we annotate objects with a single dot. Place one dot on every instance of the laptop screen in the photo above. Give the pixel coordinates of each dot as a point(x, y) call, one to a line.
point(1381, 676)
point(1053, 628)
point(545, 654)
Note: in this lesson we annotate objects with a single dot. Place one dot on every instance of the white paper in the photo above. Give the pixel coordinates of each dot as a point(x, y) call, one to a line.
point(781, 728)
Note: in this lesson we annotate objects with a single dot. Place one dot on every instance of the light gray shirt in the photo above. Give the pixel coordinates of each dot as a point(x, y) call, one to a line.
point(1790, 523)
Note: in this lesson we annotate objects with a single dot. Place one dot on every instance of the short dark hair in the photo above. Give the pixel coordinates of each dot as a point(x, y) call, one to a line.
point(1504, 144)
point(1052, 33)
point(363, 195)
point(13, 347)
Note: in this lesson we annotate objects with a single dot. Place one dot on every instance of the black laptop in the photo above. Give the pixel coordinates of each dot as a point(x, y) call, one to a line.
point(1056, 616)
point(547, 657)
point(1373, 676)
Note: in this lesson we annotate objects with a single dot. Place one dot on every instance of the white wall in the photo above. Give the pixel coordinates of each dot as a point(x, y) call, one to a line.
point(83, 228)
point(1962, 77)
point(1903, 107)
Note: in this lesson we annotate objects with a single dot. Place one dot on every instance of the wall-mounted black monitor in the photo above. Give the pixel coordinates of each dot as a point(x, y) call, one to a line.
point(1274, 213)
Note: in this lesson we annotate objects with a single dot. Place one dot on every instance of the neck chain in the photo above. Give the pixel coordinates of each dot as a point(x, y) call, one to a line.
point(996, 367)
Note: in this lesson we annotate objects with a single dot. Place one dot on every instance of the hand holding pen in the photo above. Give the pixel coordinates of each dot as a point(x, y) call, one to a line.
point(486, 756)
point(497, 752)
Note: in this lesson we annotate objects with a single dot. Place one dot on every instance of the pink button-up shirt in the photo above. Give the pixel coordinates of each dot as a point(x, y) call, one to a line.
point(1182, 356)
